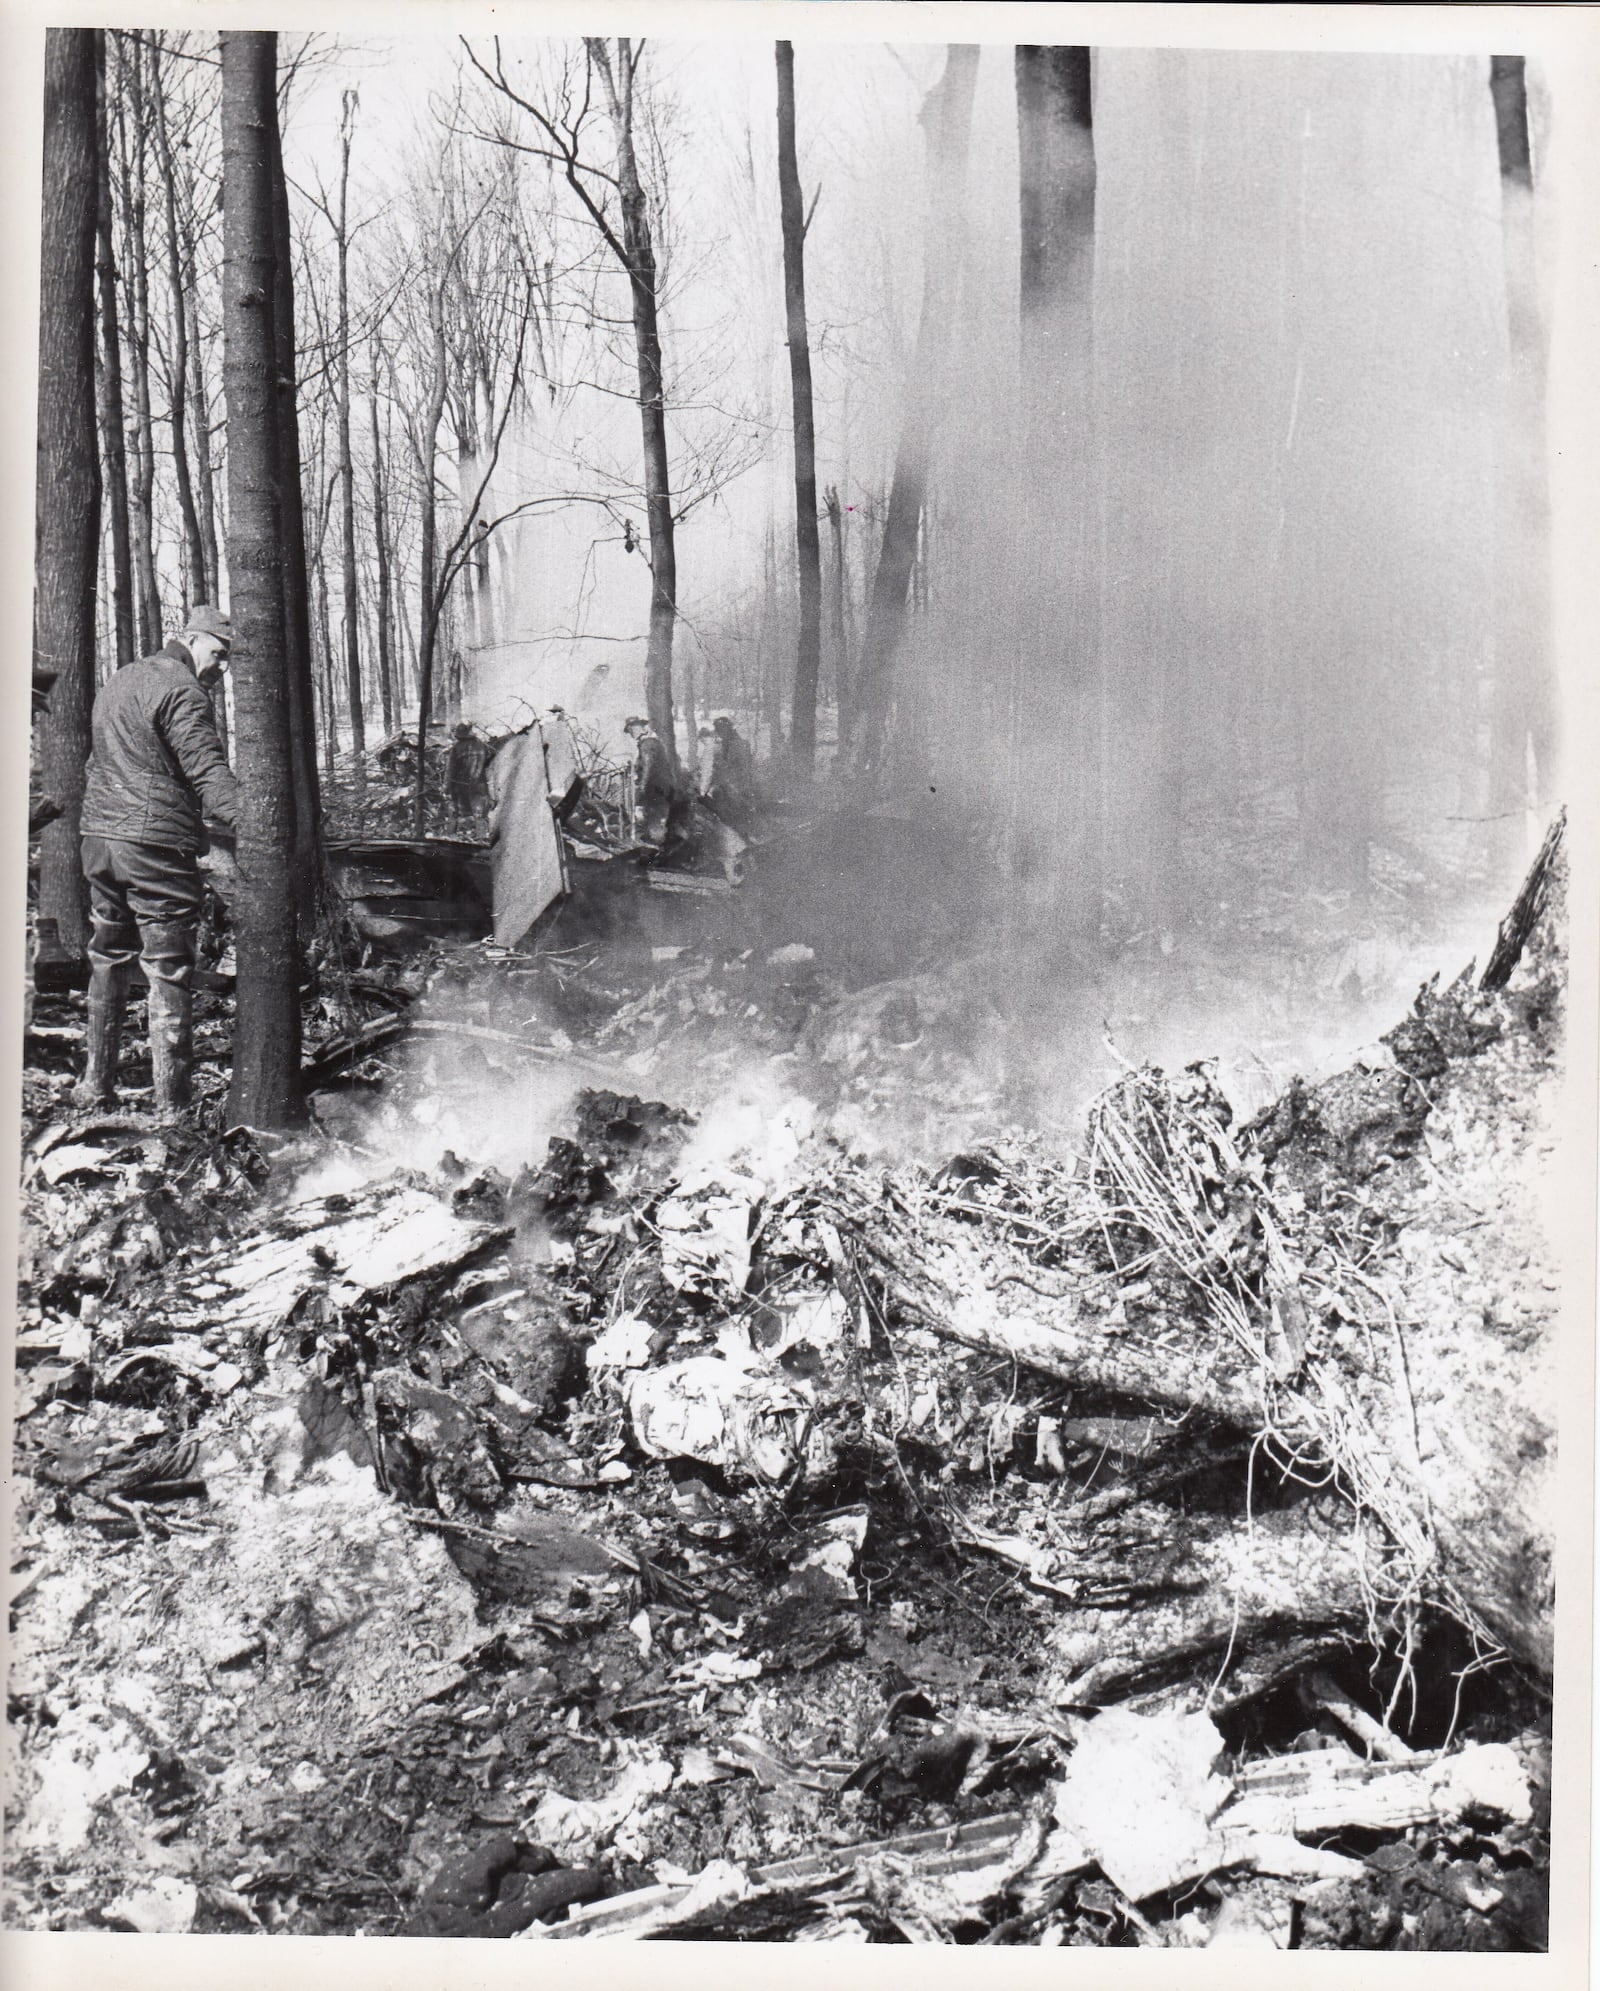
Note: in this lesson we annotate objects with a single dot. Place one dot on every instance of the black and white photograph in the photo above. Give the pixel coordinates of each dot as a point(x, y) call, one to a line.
point(806, 999)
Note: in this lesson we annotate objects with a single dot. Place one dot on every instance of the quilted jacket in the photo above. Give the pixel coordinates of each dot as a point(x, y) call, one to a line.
point(157, 771)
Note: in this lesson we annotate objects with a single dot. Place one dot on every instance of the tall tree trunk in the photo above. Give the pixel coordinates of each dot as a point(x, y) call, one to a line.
point(947, 120)
point(147, 593)
point(777, 646)
point(640, 263)
point(113, 441)
point(429, 600)
point(67, 516)
point(200, 407)
point(306, 791)
point(483, 564)
point(330, 674)
point(808, 544)
point(1058, 670)
point(380, 544)
point(266, 1050)
point(465, 608)
point(1522, 728)
point(179, 281)
point(347, 475)
point(836, 602)
point(410, 678)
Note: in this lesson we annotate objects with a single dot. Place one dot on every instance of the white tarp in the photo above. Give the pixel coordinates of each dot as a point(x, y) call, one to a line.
point(525, 852)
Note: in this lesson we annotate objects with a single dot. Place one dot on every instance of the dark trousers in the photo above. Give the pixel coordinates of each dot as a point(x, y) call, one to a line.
point(144, 902)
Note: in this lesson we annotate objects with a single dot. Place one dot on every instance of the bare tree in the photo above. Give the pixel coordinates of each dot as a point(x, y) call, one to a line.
point(561, 130)
point(424, 436)
point(66, 552)
point(347, 472)
point(179, 281)
point(838, 594)
point(466, 306)
point(808, 544)
point(383, 610)
point(133, 132)
point(266, 1063)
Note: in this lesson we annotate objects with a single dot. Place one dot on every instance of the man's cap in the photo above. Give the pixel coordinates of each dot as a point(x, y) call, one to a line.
point(206, 620)
point(629, 724)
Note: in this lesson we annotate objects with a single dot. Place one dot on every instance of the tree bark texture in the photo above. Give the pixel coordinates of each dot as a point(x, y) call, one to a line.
point(266, 1051)
point(947, 122)
point(808, 544)
point(67, 516)
point(113, 440)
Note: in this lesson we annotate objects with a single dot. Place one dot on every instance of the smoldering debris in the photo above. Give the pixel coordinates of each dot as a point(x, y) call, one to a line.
point(706, 1531)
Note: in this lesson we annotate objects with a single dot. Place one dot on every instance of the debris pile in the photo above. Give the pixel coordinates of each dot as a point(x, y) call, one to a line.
point(706, 1532)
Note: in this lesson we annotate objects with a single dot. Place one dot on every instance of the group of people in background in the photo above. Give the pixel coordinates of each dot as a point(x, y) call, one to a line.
point(722, 776)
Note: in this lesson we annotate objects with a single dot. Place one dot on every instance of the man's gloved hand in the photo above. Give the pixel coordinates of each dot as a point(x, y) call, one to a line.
point(218, 862)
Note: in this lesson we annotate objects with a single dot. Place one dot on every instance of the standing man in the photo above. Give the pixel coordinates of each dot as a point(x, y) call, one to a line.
point(156, 775)
point(464, 776)
point(654, 789)
point(731, 791)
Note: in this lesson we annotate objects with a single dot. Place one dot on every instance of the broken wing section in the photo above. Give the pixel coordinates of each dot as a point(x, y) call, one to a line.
point(525, 853)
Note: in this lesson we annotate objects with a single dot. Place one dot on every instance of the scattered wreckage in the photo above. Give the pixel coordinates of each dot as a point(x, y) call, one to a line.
point(707, 1533)
point(554, 821)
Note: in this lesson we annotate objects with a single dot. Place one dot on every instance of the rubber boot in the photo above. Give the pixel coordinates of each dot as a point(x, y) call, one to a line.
point(108, 1004)
point(167, 957)
point(171, 1048)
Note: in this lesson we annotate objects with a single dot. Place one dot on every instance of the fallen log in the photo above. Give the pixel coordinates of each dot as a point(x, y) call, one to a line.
point(788, 1890)
point(349, 1246)
point(1159, 1597)
point(1142, 1800)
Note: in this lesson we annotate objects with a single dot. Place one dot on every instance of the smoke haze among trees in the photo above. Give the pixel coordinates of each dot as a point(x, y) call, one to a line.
point(1210, 385)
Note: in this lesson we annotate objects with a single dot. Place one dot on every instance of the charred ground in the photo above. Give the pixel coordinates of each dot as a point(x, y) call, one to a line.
point(719, 1527)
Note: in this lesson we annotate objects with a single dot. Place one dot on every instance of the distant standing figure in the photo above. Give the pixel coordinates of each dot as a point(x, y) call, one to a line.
point(156, 774)
point(654, 787)
point(465, 774)
point(732, 791)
